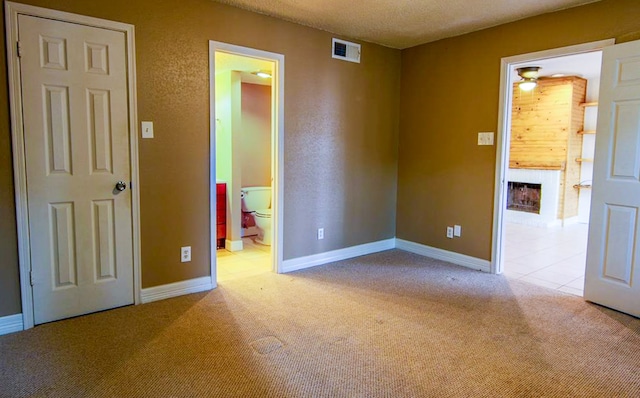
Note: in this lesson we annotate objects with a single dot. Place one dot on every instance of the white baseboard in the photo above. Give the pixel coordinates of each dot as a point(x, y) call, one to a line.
point(572, 220)
point(176, 289)
point(10, 324)
point(233, 245)
point(336, 255)
point(444, 255)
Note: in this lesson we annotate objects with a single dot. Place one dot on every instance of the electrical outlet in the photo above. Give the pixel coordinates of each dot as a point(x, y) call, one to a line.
point(450, 232)
point(185, 254)
point(457, 231)
point(320, 233)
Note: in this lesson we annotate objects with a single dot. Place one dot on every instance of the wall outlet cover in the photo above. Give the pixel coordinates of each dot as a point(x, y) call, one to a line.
point(185, 254)
point(450, 232)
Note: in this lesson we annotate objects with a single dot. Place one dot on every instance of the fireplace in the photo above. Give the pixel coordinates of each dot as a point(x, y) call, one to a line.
point(524, 196)
point(519, 209)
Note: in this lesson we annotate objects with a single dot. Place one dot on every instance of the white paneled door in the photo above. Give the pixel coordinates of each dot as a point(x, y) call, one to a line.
point(613, 255)
point(76, 129)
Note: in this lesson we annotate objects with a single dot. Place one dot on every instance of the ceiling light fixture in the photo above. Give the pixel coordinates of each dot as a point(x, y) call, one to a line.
point(529, 75)
point(263, 74)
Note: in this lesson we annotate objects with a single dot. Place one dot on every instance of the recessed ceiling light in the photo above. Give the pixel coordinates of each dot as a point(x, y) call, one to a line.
point(263, 74)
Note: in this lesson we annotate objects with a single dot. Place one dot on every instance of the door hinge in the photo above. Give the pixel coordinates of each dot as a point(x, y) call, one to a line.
point(19, 46)
point(31, 277)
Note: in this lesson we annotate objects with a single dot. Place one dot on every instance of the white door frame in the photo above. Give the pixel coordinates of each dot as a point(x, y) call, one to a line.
point(503, 138)
point(12, 10)
point(277, 148)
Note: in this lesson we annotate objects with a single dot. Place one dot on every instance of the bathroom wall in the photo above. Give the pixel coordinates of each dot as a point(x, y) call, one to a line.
point(228, 139)
point(255, 147)
point(223, 127)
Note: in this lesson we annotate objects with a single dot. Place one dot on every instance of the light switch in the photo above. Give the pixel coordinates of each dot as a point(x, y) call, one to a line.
point(147, 129)
point(485, 138)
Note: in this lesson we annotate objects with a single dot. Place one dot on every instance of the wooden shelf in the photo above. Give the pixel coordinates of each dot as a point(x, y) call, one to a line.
point(580, 160)
point(586, 104)
point(586, 132)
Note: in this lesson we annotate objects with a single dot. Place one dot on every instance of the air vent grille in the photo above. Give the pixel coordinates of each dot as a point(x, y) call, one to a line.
point(345, 50)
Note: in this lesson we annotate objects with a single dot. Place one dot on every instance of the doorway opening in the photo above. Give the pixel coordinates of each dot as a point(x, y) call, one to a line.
point(544, 173)
point(247, 137)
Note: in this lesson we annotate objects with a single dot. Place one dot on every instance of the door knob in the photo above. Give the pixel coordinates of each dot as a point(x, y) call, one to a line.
point(121, 186)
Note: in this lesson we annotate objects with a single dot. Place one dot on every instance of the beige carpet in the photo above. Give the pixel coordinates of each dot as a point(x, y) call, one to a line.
point(391, 324)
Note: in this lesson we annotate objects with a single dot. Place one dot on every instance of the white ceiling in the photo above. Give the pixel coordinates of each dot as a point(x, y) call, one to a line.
point(585, 65)
point(247, 65)
point(403, 23)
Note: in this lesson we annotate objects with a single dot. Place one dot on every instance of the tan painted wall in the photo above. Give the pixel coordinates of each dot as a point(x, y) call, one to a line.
point(256, 135)
point(9, 277)
point(341, 122)
point(449, 93)
point(341, 129)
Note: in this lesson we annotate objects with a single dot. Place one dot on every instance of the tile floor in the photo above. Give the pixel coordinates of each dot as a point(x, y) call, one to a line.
point(553, 257)
point(254, 259)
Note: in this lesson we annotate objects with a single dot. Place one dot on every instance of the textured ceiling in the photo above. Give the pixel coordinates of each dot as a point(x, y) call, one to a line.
point(403, 23)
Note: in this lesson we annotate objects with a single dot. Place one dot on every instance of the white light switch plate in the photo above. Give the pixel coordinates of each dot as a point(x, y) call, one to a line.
point(147, 129)
point(485, 138)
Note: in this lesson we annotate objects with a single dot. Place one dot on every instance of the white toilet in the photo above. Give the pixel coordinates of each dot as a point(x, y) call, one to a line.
point(257, 201)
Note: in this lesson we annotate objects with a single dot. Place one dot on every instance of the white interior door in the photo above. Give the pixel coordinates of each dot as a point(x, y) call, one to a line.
point(75, 116)
point(613, 272)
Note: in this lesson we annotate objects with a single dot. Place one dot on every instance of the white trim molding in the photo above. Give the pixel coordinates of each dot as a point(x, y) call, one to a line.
point(444, 255)
point(277, 148)
point(11, 324)
point(314, 260)
point(176, 289)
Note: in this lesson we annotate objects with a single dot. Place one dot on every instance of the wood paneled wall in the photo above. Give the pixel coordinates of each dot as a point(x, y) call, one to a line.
point(544, 133)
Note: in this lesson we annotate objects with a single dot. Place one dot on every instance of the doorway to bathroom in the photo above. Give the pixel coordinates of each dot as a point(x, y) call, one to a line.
point(545, 167)
point(246, 160)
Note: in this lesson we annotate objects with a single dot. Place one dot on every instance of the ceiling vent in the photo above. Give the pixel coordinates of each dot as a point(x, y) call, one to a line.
point(345, 50)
